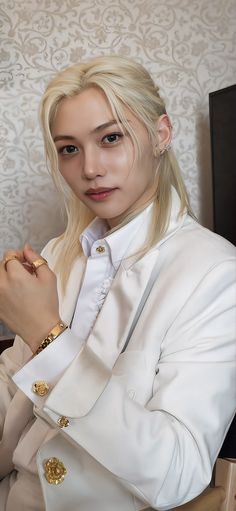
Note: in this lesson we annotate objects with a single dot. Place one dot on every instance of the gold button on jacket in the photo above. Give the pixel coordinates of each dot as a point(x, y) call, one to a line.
point(54, 471)
point(100, 249)
point(41, 388)
point(63, 422)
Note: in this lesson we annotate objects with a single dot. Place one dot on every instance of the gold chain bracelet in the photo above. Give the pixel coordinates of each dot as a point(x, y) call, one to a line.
point(53, 334)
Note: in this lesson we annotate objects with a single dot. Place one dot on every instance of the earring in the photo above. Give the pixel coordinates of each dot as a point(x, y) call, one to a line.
point(164, 149)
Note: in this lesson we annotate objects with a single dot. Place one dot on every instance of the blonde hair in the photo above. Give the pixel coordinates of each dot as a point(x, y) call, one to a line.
point(125, 83)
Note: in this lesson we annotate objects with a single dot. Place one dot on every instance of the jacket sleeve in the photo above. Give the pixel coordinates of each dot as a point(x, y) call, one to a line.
point(162, 448)
point(15, 408)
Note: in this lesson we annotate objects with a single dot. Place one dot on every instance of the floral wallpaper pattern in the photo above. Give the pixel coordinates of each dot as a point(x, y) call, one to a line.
point(189, 46)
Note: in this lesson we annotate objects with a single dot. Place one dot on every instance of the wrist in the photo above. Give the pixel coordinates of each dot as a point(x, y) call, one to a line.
point(54, 333)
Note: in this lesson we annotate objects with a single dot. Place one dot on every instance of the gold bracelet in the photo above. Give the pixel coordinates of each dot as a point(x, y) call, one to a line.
point(53, 334)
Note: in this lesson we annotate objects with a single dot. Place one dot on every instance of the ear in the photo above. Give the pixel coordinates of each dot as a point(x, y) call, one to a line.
point(164, 134)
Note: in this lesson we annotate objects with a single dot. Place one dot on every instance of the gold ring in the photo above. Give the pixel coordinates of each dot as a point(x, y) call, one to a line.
point(38, 262)
point(9, 258)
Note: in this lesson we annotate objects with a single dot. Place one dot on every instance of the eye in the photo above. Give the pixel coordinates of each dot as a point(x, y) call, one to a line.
point(68, 149)
point(112, 138)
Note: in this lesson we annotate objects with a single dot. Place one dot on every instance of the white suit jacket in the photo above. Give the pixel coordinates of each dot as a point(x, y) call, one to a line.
point(145, 424)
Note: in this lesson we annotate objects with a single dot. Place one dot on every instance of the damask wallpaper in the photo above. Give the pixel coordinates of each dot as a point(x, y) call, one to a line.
point(188, 45)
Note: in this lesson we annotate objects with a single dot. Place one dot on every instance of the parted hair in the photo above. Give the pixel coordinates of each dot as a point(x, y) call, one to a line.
point(124, 83)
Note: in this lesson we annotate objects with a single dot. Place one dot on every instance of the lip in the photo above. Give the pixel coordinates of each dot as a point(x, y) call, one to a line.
point(99, 194)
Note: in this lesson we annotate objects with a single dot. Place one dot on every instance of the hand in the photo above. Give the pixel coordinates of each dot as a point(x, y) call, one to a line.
point(28, 300)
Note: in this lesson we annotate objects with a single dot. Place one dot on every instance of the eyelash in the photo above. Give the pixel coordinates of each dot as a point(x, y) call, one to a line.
point(62, 150)
point(117, 135)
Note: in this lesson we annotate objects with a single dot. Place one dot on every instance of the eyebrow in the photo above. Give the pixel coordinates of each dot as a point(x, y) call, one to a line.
point(95, 130)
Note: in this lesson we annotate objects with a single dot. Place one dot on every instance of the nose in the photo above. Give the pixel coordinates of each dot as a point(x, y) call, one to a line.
point(92, 167)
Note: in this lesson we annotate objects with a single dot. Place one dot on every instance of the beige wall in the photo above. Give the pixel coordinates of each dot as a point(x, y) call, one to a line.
point(188, 45)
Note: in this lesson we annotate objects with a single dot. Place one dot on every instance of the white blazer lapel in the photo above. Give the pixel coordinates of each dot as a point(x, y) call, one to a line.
point(116, 316)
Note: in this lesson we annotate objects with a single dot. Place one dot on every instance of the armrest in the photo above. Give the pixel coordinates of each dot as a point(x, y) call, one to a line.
point(209, 500)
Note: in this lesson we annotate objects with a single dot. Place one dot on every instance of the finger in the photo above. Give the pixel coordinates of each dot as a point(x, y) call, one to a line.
point(12, 257)
point(37, 262)
point(18, 253)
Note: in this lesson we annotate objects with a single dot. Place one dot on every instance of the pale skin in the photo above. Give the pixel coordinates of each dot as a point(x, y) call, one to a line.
point(93, 154)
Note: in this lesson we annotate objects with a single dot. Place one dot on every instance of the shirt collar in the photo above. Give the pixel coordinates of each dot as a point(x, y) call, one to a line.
point(117, 242)
point(95, 231)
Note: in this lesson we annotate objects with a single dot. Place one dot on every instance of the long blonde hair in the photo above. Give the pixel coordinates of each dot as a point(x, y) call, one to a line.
point(125, 83)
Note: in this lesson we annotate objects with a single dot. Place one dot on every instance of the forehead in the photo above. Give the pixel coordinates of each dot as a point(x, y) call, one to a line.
point(90, 107)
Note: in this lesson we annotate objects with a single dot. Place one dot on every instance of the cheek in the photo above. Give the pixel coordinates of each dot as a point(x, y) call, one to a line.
point(71, 178)
point(119, 159)
point(69, 170)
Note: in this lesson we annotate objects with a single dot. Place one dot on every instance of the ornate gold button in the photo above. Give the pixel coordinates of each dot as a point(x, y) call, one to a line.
point(100, 249)
point(40, 387)
point(63, 422)
point(54, 471)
